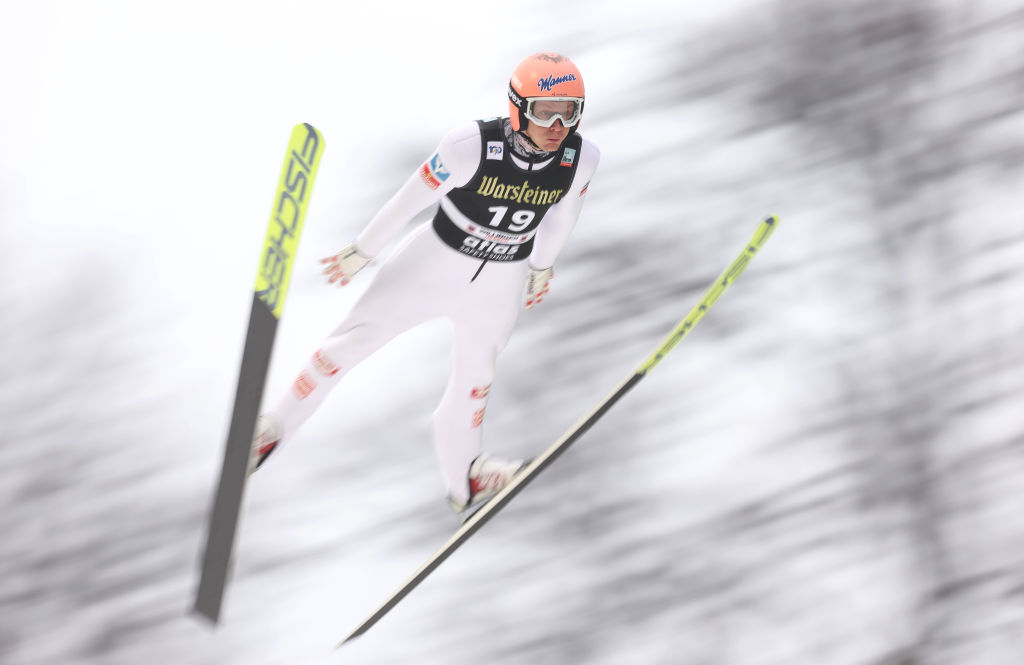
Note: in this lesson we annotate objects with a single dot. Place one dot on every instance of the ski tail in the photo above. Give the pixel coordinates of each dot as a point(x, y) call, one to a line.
point(542, 461)
point(294, 190)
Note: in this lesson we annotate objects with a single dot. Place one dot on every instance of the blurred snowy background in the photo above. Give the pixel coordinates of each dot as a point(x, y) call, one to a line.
point(829, 470)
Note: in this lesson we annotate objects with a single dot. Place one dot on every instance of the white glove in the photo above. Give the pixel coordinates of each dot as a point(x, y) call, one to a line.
point(537, 285)
point(344, 265)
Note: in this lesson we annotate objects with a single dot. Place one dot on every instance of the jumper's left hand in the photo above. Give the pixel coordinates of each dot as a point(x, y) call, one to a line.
point(537, 285)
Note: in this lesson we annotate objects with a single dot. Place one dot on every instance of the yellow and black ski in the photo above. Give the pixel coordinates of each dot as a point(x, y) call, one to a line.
point(538, 464)
point(289, 211)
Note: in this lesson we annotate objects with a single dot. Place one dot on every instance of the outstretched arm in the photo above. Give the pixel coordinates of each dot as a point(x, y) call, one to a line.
point(451, 165)
point(561, 217)
point(556, 227)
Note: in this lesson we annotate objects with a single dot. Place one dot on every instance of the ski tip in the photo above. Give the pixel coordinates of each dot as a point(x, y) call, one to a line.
point(365, 626)
point(771, 219)
point(347, 640)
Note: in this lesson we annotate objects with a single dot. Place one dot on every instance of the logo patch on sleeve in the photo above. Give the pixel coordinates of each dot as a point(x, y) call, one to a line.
point(585, 187)
point(434, 172)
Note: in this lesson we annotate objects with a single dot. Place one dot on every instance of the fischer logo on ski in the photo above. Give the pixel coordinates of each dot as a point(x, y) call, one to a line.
point(286, 222)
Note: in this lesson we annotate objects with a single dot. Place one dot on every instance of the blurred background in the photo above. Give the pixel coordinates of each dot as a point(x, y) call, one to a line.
point(829, 470)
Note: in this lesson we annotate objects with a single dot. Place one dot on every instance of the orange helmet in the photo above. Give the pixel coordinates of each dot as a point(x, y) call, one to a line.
point(548, 76)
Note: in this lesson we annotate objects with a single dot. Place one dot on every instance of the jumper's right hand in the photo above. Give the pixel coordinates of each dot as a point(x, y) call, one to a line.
point(343, 266)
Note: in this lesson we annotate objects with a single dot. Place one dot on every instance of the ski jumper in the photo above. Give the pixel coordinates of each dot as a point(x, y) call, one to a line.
point(500, 214)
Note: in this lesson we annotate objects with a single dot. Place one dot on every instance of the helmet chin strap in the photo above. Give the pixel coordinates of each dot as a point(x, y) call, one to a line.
point(527, 137)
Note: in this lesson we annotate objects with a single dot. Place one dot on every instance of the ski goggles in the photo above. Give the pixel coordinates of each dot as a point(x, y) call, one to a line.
point(543, 111)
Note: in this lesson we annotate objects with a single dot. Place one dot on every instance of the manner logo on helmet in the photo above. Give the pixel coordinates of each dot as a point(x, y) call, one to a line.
point(434, 172)
point(546, 84)
point(568, 156)
point(495, 150)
